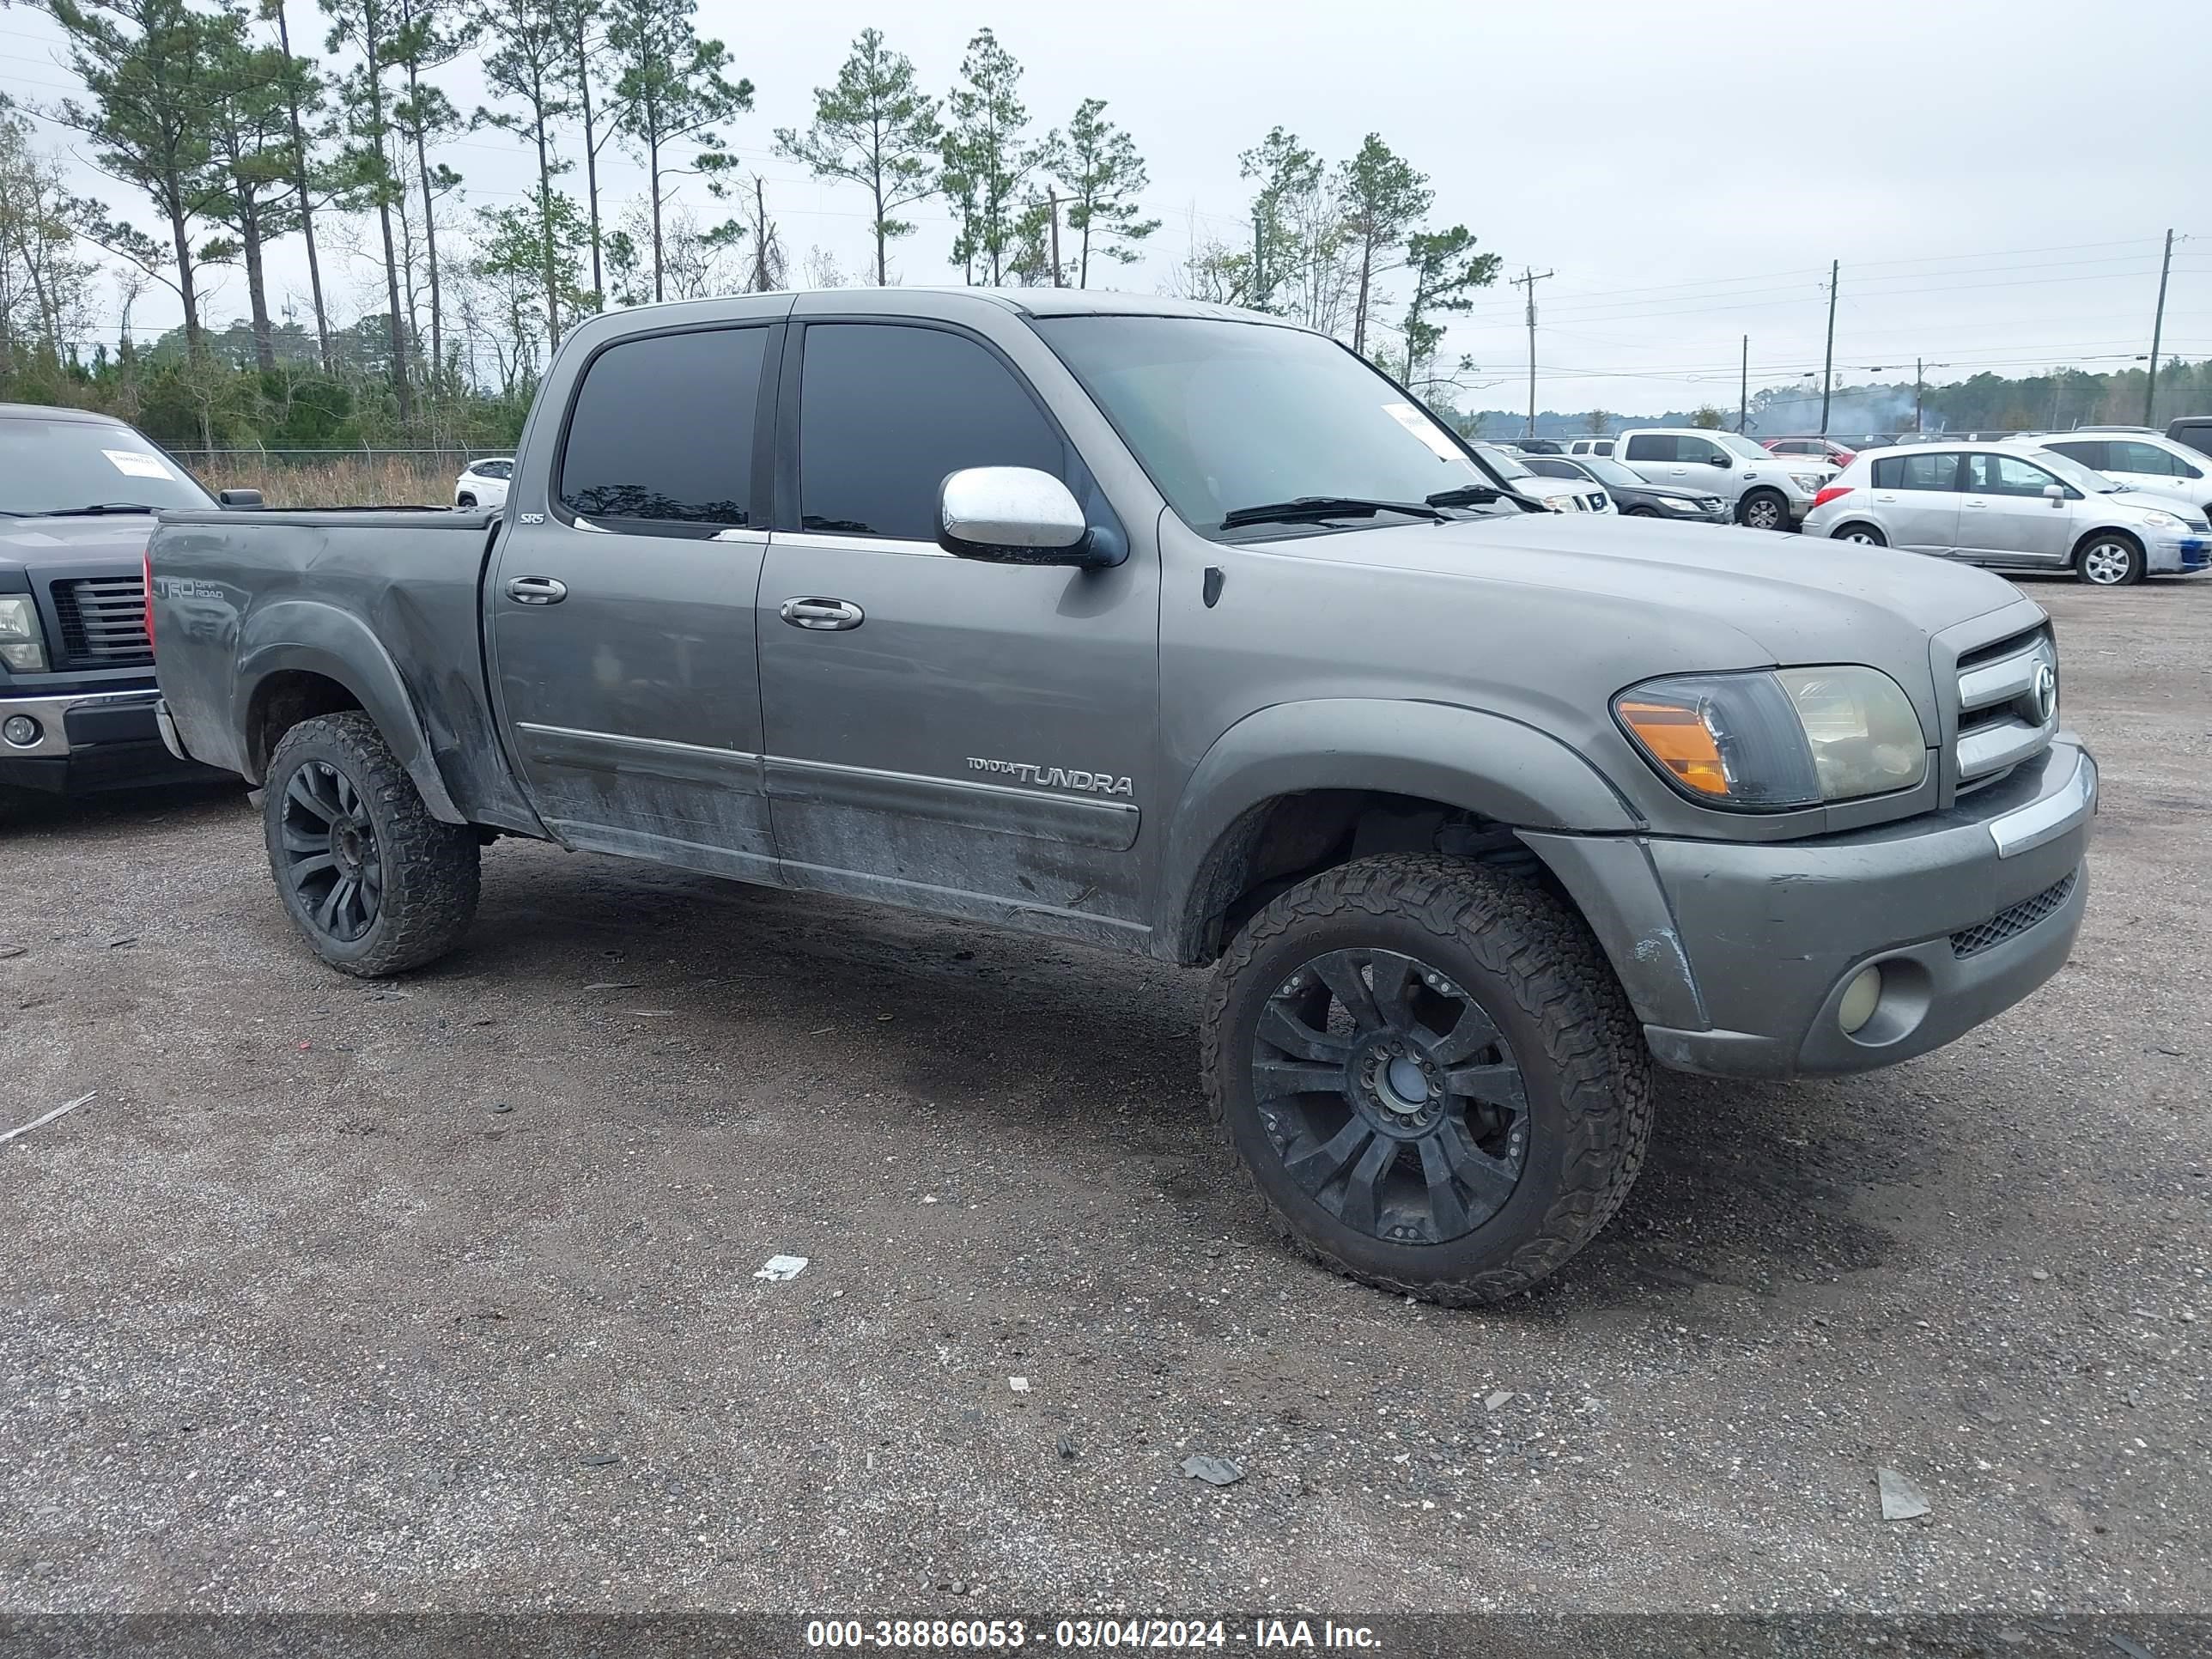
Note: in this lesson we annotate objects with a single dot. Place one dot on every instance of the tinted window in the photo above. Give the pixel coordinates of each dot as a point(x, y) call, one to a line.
point(886, 411)
point(2128, 456)
point(661, 437)
point(1651, 446)
point(1605, 449)
point(1552, 467)
point(2006, 475)
point(2090, 452)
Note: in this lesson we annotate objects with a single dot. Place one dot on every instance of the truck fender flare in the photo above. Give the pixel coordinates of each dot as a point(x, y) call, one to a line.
point(1485, 763)
point(299, 635)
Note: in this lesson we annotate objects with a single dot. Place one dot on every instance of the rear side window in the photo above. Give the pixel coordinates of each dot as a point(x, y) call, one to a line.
point(2090, 452)
point(1926, 470)
point(887, 410)
point(1605, 449)
point(1652, 446)
point(660, 440)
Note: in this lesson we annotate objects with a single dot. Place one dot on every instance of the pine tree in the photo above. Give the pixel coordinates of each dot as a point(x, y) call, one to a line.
point(877, 129)
point(527, 64)
point(371, 28)
point(249, 145)
point(1383, 199)
point(1098, 164)
point(432, 32)
point(671, 90)
point(581, 25)
point(1446, 269)
point(986, 159)
point(303, 97)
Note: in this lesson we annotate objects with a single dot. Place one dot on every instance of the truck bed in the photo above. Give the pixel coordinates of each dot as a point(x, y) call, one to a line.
point(238, 596)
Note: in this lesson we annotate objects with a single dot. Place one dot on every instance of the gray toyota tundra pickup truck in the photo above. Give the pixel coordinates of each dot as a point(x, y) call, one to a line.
point(1180, 630)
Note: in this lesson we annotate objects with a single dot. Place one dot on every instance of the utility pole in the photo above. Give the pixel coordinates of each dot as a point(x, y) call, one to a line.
point(1828, 375)
point(1053, 197)
point(2157, 327)
point(1528, 278)
point(1743, 390)
point(1920, 390)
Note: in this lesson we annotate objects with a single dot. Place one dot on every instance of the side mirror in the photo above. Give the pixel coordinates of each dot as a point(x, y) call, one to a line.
point(1014, 516)
point(237, 497)
point(1722, 461)
point(2055, 494)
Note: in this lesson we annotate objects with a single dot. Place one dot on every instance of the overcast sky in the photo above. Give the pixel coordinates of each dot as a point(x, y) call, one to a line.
point(1995, 175)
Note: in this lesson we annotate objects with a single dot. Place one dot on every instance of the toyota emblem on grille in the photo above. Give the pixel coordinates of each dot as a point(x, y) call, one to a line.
point(2046, 692)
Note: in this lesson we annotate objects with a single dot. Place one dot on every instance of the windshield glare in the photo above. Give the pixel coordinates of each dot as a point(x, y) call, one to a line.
point(1226, 414)
point(49, 465)
point(1504, 462)
point(1609, 472)
point(2085, 479)
point(1745, 447)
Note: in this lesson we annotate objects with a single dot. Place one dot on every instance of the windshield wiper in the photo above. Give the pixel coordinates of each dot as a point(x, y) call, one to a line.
point(96, 510)
point(1483, 496)
point(1312, 508)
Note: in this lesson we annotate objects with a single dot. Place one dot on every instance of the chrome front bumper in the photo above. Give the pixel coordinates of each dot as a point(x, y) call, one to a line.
point(53, 714)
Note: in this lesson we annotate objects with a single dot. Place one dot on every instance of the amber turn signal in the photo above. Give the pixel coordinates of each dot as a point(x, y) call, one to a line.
point(1676, 736)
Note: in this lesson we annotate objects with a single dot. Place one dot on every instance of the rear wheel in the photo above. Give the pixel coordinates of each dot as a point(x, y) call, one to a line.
point(2109, 559)
point(374, 882)
point(465, 500)
point(1865, 534)
point(1430, 1074)
point(1764, 509)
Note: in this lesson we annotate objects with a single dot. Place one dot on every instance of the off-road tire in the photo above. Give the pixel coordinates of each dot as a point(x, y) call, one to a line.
point(1761, 501)
point(1541, 978)
point(429, 868)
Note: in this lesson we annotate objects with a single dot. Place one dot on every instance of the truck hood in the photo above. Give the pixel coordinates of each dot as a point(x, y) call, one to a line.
point(1751, 597)
point(35, 543)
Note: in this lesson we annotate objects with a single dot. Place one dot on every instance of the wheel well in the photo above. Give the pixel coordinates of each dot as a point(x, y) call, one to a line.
point(1288, 839)
point(282, 701)
point(2127, 536)
point(1849, 525)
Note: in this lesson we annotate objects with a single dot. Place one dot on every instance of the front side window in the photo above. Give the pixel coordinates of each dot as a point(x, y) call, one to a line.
point(660, 440)
point(2007, 475)
point(1699, 452)
point(57, 467)
point(887, 410)
point(1224, 416)
point(2129, 456)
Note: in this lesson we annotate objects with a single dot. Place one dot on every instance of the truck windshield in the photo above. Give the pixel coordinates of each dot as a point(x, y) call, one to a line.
point(66, 466)
point(1226, 415)
point(1742, 445)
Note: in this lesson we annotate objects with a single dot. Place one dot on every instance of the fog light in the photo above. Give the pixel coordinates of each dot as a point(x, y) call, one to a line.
point(1861, 997)
point(21, 730)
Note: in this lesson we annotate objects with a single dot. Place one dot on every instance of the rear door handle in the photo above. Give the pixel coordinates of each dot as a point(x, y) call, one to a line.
point(537, 590)
point(1977, 503)
point(823, 614)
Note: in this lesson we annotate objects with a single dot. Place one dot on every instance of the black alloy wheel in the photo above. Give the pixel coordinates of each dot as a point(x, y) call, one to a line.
point(331, 862)
point(1391, 1097)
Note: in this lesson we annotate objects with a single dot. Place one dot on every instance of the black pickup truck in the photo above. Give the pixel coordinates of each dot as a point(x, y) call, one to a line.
point(78, 493)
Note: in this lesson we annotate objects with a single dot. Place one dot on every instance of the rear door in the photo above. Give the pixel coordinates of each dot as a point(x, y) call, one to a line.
point(1917, 499)
point(621, 619)
point(949, 734)
point(2008, 520)
point(1653, 456)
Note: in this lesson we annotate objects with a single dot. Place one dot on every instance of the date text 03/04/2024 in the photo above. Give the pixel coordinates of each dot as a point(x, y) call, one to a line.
point(1108, 1633)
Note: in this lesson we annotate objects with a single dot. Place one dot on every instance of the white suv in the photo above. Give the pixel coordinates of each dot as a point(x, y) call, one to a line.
point(1765, 491)
point(2142, 461)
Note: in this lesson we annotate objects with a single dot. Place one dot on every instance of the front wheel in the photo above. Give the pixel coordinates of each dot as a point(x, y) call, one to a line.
point(1864, 534)
point(465, 500)
point(1763, 509)
point(2109, 560)
point(374, 882)
point(1430, 1074)
point(1640, 512)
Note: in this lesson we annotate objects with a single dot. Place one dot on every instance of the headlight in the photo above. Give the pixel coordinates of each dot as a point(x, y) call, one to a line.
point(2162, 521)
point(22, 647)
point(1768, 742)
point(1809, 482)
point(1677, 504)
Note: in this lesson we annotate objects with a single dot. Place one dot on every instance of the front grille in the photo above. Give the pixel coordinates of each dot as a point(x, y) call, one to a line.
point(2014, 920)
point(103, 621)
point(2003, 716)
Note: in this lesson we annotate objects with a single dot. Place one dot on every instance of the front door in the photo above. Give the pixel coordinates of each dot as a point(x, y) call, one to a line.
point(971, 737)
point(622, 620)
point(2006, 517)
point(1916, 498)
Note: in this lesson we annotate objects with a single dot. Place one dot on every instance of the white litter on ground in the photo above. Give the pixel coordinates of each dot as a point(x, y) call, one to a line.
point(1018, 1384)
point(782, 1267)
point(1901, 1500)
point(58, 1111)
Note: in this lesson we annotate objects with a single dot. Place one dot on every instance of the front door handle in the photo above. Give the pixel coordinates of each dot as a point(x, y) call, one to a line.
point(824, 613)
point(537, 590)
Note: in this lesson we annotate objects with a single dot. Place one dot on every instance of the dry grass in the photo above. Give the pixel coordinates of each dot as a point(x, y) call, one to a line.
point(341, 481)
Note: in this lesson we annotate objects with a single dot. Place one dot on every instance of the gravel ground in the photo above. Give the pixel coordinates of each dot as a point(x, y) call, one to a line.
point(442, 1293)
